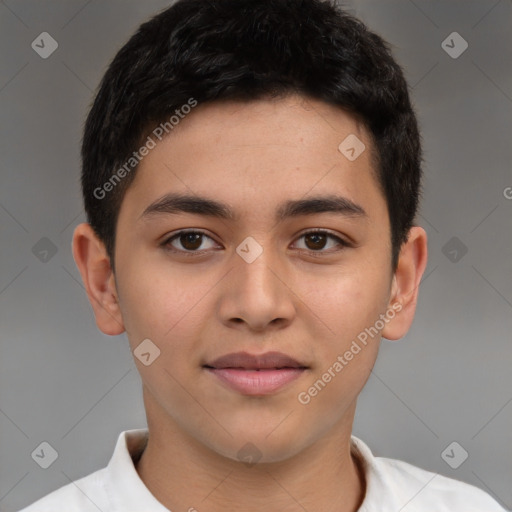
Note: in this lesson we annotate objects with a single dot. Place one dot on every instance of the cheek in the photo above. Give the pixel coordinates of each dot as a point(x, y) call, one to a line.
point(160, 303)
point(348, 301)
point(345, 358)
point(352, 304)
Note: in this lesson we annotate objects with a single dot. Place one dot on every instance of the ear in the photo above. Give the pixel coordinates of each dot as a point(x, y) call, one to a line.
point(93, 262)
point(405, 286)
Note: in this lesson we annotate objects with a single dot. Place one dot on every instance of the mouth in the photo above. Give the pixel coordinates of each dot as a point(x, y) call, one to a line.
point(256, 375)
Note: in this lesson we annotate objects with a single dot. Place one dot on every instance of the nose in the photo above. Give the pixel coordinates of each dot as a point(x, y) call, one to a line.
point(257, 295)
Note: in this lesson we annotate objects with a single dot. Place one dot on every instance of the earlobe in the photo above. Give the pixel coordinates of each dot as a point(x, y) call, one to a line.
point(405, 286)
point(93, 262)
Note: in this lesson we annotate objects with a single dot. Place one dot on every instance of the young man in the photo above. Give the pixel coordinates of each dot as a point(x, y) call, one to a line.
point(251, 172)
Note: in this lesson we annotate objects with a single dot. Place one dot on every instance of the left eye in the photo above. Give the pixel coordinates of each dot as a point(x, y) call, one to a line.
point(318, 240)
point(191, 241)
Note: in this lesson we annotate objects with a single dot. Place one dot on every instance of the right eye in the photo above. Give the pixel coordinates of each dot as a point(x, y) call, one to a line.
point(190, 241)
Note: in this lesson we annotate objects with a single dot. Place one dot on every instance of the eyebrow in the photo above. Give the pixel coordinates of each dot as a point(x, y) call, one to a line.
point(178, 203)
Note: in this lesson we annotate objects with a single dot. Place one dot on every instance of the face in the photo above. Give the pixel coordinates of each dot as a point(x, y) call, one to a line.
point(254, 282)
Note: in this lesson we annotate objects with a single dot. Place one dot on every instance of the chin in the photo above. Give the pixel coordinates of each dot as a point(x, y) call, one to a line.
point(261, 446)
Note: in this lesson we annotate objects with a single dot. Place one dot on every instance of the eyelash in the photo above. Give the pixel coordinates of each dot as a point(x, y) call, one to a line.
point(166, 243)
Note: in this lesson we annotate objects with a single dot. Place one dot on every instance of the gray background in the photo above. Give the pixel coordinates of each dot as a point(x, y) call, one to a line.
point(64, 382)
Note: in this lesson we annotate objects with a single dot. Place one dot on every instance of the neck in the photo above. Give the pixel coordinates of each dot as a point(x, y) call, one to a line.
point(183, 474)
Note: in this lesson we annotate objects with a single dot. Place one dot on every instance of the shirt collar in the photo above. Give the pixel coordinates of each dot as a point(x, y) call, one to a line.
point(377, 495)
point(128, 492)
point(124, 486)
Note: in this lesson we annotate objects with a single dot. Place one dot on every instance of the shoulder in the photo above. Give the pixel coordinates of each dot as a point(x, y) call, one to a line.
point(397, 485)
point(84, 495)
point(114, 487)
point(422, 490)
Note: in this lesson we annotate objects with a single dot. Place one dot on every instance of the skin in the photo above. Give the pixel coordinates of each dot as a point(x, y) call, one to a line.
point(253, 156)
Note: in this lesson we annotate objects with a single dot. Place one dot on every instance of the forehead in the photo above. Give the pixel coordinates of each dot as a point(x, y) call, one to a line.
point(292, 121)
point(255, 153)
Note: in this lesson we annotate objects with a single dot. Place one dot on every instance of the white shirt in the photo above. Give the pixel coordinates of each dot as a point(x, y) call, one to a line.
point(391, 486)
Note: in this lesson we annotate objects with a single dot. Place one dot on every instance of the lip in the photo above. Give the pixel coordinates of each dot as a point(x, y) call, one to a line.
point(255, 375)
point(246, 361)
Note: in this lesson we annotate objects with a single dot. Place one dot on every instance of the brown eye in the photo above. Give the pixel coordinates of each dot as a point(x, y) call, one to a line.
point(191, 241)
point(316, 241)
point(187, 242)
